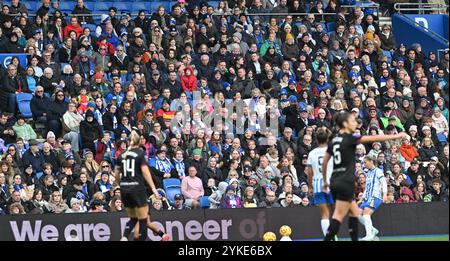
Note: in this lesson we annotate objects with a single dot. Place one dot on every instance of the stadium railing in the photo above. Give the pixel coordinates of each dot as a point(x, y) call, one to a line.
point(421, 8)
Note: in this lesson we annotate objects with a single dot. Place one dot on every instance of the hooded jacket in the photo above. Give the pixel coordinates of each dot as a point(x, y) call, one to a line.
point(226, 201)
point(24, 131)
point(216, 196)
point(189, 83)
point(90, 131)
point(12, 47)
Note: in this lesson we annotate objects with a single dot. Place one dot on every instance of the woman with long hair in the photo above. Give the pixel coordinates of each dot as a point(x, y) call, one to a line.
point(39, 203)
point(57, 203)
point(116, 204)
point(420, 190)
point(8, 171)
point(132, 173)
point(342, 149)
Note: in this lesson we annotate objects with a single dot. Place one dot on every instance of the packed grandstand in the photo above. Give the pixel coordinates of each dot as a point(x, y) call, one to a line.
point(235, 88)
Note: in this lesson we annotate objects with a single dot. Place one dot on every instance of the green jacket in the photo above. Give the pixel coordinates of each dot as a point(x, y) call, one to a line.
point(398, 123)
point(25, 131)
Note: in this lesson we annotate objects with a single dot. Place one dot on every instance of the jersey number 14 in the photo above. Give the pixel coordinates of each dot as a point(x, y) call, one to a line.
point(129, 170)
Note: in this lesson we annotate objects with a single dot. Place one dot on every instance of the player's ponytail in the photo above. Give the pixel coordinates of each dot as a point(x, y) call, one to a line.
point(134, 139)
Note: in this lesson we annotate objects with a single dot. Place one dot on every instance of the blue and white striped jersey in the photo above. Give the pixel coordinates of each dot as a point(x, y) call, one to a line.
point(315, 159)
point(375, 184)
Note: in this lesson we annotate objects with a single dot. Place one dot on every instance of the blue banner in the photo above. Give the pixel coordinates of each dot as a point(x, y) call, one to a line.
point(5, 59)
point(407, 31)
point(433, 22)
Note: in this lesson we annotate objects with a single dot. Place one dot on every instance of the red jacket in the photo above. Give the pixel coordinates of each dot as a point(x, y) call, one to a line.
point(409, 152)
point(78, 30)
point(189, 83)
point(109, 47)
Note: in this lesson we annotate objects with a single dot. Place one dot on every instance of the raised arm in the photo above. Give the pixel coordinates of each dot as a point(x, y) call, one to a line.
point(381, 138)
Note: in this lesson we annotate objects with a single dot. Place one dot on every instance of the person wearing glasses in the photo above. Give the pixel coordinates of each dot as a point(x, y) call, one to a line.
point(105, 166)
point(120, 59)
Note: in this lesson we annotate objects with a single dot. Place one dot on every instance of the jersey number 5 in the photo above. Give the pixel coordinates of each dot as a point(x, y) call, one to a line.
point(337, 154)
point(128, 167)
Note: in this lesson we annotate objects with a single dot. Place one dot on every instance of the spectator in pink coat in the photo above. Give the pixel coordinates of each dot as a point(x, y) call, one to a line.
point(192, 188)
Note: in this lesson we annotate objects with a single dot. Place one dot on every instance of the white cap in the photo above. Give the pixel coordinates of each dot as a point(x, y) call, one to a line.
point(413, 127)
point(406, 91)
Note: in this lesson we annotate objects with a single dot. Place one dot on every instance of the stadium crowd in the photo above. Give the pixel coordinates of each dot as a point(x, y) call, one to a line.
point(168, 73)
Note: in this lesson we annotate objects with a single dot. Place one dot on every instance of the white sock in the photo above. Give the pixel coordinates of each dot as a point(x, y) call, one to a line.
point(361, 220)
point(324, 223)
point(368, 225)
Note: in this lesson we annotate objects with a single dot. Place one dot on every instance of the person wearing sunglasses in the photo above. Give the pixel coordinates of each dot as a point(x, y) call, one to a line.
point(55, 112)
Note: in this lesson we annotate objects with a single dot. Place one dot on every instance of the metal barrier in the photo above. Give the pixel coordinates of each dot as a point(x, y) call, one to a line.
point(440, 52)
point(421, 7)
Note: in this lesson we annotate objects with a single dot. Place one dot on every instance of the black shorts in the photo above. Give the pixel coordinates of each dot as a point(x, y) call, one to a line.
point(342, 190)
point(134, 199)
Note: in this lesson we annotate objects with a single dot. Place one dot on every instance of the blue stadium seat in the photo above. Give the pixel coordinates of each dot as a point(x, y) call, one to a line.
point(330, 27)
point(31, 6)
point(66, 7)
point(23, 102)
point(92, 27)
point(89, 5)
point(102, 7)
point(154, 6)
point(172, 187)
point(141, 6)
point(213, 3)
point(204, 202)
point(123, 7)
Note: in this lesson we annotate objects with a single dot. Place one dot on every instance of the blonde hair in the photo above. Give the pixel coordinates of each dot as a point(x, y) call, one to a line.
point(98, 195)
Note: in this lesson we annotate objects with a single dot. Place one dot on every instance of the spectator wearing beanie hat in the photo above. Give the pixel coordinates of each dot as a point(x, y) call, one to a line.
point(406, 196)
point(230, 199)
point(289, 49)
point(440, 123)
point(408, 151)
